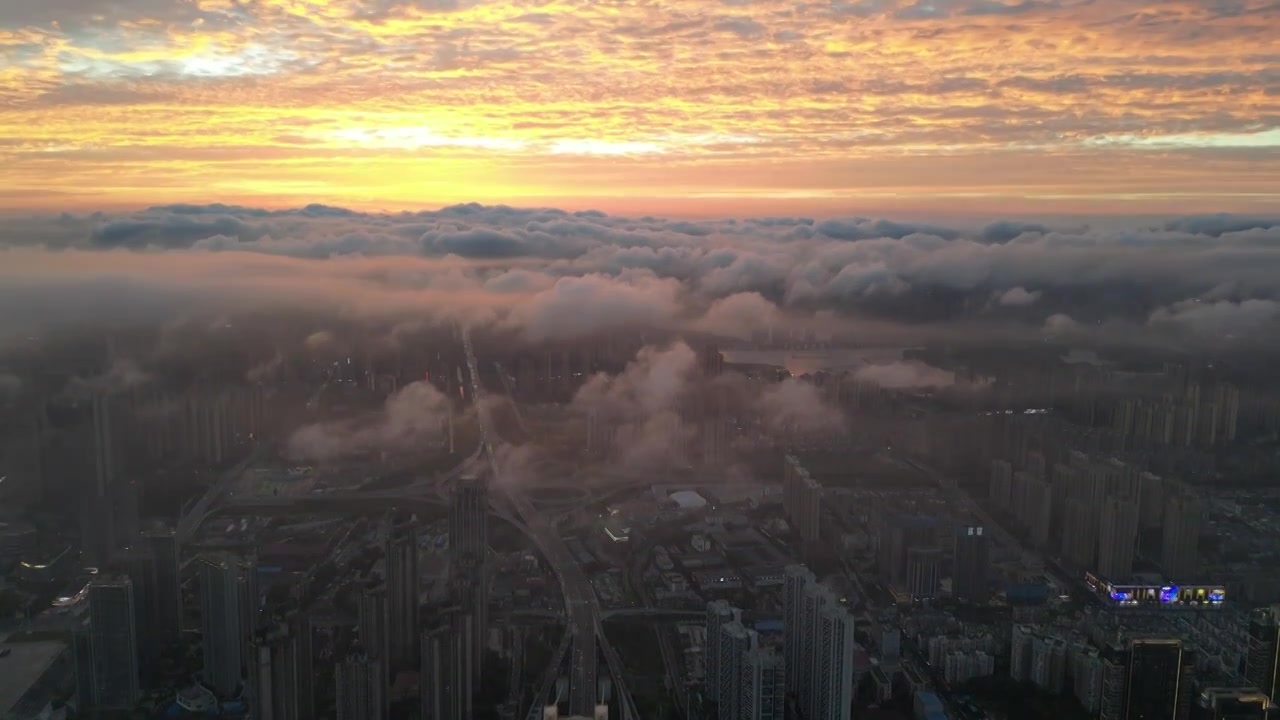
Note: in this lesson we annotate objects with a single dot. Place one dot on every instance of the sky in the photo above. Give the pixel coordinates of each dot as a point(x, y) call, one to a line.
point(681, 108)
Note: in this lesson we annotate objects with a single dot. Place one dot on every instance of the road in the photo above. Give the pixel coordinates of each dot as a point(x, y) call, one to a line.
point(581, 605)
point(196, 514)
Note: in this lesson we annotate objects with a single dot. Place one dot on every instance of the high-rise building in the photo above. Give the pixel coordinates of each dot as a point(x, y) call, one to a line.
point(1086, 680)
point(360, 683)
point(139, 565)
point(712, 361)
point(1021, 652)
point(1001, 487)
point(1115, 677)
point(1158, 681)
point(762, 686)
point(166, 623)
point(922, 572)
point(1262, 659)
point(719, 613)
point(1220, 703)
point(371, 620)
point(972, 564)
point(1079, 533)
point(818, 647)
point(82, 656)
point(1118, 536)
point(796, 579)
point(1036, 509)
point(447, 674)
point(280, 676)
point(97, 505)
point(468, 556)
point(1155, 492)
point(801, 500)
point(1049, 663)
point(834, 676)
point(250, 598)
point(1179, 553)
point(222, 622)
point(469, 519)
point(113, 644)
point(402, 597)
point(736, 643)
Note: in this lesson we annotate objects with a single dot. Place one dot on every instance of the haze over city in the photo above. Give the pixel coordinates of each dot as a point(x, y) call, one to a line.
point(644, 360)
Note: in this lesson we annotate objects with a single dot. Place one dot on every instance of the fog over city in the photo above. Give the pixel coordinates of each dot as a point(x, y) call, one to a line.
point(463, 461)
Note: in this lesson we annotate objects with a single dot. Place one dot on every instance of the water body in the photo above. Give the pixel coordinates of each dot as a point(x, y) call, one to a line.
point(801, 362)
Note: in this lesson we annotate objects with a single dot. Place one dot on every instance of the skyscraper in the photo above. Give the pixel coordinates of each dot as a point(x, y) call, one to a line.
point(972, 563)
point(402, 597)
point(1262, 659)
point(275, 674)
point(82, 656)
point(818, 646)
point(1118, 536)
point(834, 672)
point(280, 674)
point(371, 621)
point(719, 613)
point(801, 500)
point(797, 579)
point(712, 361)
point(113, 644)
point(762, 686)
point(922, 572)
point(360, 683)
point(1001, 485)
point(98, 505)
point(1179, 553)
point(166, 623)
point(222, 624)
point(139, 565)
point(1158, 680)
point(735, 642)
point(447, 675)
point(469, 519)
point(250, 598)
point(468, 556)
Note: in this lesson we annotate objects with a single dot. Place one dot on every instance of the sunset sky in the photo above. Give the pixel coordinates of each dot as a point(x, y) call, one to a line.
point(676, 107)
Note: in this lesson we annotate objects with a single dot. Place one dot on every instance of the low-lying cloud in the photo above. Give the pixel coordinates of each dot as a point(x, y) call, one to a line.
point(653, 411)
point(412, 419)
point(551, 275)
point(906, 375)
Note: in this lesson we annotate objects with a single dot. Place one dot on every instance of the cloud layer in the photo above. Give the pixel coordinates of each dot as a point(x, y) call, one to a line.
point(549, 275)
point(956, 102)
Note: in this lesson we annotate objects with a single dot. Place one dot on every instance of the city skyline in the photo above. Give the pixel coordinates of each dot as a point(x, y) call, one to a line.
point(640, 359)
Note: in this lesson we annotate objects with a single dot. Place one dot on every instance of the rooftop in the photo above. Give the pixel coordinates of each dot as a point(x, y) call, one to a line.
point(24, 665)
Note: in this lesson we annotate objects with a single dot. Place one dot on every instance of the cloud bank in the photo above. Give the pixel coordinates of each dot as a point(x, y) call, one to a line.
point(548, 275)
point(411, 420)
point(653, 412)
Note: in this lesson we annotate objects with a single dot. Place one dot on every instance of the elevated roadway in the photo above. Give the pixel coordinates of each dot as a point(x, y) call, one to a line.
point(580, 601)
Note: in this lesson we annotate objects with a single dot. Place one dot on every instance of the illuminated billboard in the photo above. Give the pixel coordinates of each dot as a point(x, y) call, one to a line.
point(1167, 595)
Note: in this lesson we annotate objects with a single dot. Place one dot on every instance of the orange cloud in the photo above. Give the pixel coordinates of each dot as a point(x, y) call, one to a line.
point(1029, 105)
